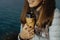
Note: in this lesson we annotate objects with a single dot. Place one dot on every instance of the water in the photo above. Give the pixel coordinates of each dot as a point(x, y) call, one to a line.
point(9, 19)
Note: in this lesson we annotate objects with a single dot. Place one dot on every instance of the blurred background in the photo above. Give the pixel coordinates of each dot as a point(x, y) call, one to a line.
point(10, 11)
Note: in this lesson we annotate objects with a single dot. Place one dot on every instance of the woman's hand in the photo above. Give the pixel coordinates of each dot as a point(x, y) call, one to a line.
point(27, 32)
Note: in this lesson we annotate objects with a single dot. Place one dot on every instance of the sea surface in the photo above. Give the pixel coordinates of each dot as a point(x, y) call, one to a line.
point(10, 11)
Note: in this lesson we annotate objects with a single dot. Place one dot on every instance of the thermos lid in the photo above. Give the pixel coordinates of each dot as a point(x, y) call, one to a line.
point(30, 13)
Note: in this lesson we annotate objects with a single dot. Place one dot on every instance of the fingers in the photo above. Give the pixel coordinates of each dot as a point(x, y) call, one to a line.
point(28, 31)
point(26, 27)
point(31, 33)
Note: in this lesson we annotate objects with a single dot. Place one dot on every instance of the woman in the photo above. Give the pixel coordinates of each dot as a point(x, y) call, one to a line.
point(44, 12)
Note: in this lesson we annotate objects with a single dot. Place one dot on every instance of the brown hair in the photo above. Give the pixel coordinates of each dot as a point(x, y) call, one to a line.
point(45, 15)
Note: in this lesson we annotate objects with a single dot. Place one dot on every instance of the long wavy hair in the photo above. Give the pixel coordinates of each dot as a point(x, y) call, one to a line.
point(46, 13)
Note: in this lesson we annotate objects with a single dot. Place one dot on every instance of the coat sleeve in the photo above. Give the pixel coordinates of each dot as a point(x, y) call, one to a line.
point(21, 26)
point(55, 28)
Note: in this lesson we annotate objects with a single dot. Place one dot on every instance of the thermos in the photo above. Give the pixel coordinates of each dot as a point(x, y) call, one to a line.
point(30, 18)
